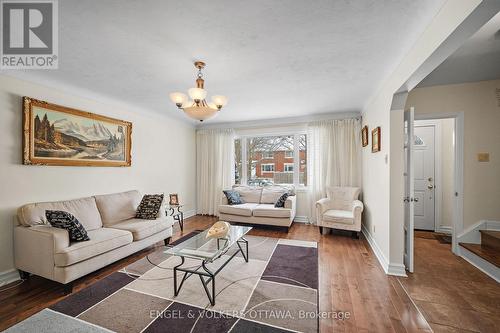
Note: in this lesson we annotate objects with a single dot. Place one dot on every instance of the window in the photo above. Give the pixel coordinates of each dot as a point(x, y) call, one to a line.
point(266, 160)
point(268, 167)
point(268, 155)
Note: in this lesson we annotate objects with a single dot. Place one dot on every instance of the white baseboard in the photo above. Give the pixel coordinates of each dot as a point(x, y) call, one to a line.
point(189, 213)
point(444, 229)
point(487, 268)
point(301, 219)
point(9, 276)
point(390, 269)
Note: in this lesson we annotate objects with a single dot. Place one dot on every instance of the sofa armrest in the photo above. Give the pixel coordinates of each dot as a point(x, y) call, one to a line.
point(322, 205)
point(34, 248)
point(291, 203)
point(357, 209)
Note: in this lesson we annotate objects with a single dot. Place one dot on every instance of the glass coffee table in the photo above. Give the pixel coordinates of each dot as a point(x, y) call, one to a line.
point(207, 250)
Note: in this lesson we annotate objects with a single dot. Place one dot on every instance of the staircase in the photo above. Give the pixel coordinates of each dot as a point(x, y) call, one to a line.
point(488, 249)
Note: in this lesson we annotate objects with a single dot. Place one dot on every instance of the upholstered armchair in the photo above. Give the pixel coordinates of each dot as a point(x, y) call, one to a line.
point(341, 209)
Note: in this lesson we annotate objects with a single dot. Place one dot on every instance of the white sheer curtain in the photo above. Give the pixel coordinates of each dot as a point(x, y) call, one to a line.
point(334, 154)
point(214, 168)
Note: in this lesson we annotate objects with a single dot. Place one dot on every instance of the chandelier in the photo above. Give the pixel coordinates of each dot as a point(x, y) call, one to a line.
point(197, 107)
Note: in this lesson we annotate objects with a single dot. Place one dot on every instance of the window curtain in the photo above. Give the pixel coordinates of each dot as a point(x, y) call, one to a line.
point(334, 154)
point(214, 168)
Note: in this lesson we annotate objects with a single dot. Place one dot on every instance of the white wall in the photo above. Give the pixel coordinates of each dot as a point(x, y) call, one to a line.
point(481, 111)
point(383, 217)
point(163, 158)
point(447, 166)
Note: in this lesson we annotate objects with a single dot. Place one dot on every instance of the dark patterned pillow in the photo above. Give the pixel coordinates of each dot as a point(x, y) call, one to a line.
point(233, 197)
point(64, 220)
point(149, 207)
point(280, 203)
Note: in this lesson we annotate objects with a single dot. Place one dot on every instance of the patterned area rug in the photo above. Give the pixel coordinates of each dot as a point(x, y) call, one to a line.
point(276, 291)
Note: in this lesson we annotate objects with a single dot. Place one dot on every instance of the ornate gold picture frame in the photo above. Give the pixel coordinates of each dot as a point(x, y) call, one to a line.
point(58, 135)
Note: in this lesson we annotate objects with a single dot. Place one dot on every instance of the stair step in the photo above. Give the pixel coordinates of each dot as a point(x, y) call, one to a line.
point(490, 238)
point(492, 255)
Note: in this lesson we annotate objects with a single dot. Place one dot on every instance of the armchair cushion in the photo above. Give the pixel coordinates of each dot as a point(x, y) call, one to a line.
point(342, 197)
point(338, 216)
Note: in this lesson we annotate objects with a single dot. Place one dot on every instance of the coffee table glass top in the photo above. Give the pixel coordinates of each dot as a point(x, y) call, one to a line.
point(203, 248)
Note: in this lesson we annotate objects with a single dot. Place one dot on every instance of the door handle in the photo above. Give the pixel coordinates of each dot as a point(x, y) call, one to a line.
point(430, 186)
point(415, 199)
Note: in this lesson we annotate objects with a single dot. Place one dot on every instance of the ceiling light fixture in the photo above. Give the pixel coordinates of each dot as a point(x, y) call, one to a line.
point(198, 108)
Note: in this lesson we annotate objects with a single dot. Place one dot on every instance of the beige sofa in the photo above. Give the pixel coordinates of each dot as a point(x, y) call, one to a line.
point(110, 221)
point(258, 206)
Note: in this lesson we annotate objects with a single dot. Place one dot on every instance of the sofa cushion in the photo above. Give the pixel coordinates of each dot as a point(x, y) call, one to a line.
point(66, 221)
point(101, 240)
point(242, 209)
point(233, 197)
point(271, 194)
point(338, 216)
point(141, 229)
point(249, 194)
point(150, 206)
point(118, 207)
point(268, 210)
point(84, 209)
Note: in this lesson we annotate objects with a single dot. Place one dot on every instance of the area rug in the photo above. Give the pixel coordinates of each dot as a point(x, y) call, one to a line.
point(443, 238)
point(276, 291)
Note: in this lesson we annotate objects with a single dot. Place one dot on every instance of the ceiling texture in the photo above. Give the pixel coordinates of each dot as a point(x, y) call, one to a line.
point(477, 60)
point(272, 59)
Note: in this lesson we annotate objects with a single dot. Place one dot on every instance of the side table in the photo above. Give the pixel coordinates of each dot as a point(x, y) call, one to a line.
point(177, 214)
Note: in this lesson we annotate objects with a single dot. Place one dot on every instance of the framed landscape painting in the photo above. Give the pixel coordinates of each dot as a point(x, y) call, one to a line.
point(57, 135)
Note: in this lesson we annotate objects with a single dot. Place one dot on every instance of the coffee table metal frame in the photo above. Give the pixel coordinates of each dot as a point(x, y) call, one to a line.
point(206, 275)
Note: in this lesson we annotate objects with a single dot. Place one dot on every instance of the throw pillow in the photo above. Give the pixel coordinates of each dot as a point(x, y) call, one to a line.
point(64, 220)
point(281, 201)
point(233, 197)
point(149, 207)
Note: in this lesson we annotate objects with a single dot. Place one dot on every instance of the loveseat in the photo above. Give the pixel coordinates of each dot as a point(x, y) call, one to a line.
point(111, 225)
point(258, 206)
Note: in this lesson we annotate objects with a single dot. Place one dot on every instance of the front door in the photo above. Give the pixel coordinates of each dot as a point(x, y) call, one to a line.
point(423, 162)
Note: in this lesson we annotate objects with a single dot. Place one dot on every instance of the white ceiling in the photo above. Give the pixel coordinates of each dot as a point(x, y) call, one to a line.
point(272, 59)
point(477, 60)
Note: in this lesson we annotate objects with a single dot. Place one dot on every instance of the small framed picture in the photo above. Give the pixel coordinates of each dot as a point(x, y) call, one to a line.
point(174, 199)
point(364, 136)
point(376, 139)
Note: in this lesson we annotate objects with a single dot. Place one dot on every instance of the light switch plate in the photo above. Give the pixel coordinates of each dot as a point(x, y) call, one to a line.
point(483, 157)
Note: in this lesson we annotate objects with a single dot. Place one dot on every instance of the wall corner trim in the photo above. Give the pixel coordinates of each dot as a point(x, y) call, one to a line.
point(389, 268)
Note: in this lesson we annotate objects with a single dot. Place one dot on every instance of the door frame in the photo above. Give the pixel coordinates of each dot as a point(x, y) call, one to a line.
point(458, 172)
point(438, 193)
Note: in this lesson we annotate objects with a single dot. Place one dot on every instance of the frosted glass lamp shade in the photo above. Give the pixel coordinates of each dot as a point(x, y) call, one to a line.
point(197, 94)
point(219, 100)
point(212, 106)
point(178, 98)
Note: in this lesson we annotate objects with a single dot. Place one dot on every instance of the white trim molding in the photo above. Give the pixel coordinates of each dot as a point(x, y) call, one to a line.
point(389, 268)
point(9, 276)
point(301, 219)
point(473, 235)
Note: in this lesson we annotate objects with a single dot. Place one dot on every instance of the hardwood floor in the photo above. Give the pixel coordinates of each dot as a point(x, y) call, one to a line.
point(452, 294)
point(351, 281)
